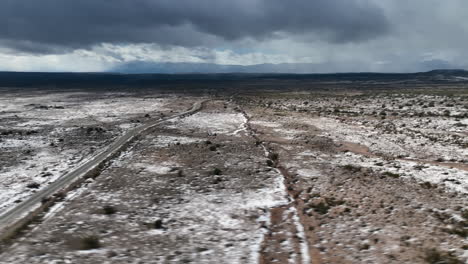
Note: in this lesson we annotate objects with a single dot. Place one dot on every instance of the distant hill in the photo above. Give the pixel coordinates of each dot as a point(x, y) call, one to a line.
point(177, 68)
point(448, 71)
point(36, 79)
point(142, 67)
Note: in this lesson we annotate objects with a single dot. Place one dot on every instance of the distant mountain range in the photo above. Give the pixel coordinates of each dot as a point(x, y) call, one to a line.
point(232, 74)
point(174, 68)
point(139, 67)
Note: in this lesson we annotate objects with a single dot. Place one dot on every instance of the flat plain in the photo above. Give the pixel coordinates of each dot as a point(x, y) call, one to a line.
point(286, 171)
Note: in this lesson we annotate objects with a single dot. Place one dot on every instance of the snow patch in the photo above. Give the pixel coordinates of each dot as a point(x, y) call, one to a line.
point(220, 123)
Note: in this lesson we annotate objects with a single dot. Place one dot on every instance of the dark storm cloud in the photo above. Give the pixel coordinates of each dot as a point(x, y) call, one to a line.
point(82, 23)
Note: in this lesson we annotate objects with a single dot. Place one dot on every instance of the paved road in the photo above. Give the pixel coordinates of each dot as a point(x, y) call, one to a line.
point(21, 210)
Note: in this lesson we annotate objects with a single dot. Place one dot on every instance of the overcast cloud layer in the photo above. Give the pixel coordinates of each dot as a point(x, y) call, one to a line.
point(338, 35)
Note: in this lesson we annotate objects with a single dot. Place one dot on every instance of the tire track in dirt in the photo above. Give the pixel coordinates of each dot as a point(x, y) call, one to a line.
point(290, 219)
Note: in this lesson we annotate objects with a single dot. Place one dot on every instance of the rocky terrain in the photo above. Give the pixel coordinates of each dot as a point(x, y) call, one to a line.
point(303, 176)
point(376, 178)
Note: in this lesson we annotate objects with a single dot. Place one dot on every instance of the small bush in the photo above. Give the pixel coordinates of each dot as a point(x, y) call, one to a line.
point(217, 171)
point(60, 195)
point(109, 210)
point(45, 200)
point(458, 230)
point(464, 214)
point(321, 208)
point(273, 156)
point(351, 167)
point(435, 257)
point(364, 246)
point(90, 242)
point(180, 173)
point(427, 185)
point(391, 174)
point(158, 224)
point(332, 201)
point(33, 185)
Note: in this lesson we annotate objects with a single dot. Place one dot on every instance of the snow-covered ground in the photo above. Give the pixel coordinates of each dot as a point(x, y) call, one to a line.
point(381, 178)
point(73, 108)
point(168, 175)
point(353, 185)
point(219, 123)
point(44, 135)
point(402, 140)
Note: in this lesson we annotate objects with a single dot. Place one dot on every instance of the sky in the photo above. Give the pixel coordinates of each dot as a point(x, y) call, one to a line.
point(332, 35)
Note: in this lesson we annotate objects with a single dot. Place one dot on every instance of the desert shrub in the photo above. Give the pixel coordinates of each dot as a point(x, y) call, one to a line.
point(332, 201)
point(418, 167)
point(217, 171)
point(89, 242)
point(33, 185)
point(321, 208)
point(427, 185)
point(458, 230)
point(351, 167)
point(391, 174)
point(158, 224)
point(436, 257)
point(364, 246)
point(60, 195)
point(45, 200)
point(273, 156)
point(464, 214)
point(109, 210)
point(180, 173)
